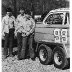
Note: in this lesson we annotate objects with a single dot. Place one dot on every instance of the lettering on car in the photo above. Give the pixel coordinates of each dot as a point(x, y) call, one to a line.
point(60, 35)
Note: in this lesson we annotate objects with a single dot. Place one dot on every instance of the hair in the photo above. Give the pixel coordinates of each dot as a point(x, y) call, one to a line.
point(27, 12)
point(9, 10)
point(21, 8)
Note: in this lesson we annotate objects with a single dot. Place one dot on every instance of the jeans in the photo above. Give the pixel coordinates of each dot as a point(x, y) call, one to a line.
point(22, 45)
point(9, 37)
point(19, 44)
point(31, 49)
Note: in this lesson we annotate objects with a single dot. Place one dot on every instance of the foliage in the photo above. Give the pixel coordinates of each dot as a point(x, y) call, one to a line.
point(37, 6)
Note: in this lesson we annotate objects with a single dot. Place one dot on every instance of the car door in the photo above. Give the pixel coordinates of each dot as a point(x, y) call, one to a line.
point(51, 29)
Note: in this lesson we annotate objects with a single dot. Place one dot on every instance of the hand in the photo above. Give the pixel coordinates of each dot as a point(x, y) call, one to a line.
point(15, 33)
point(27, 33)
point(23, 34)
point(3, 37)
point(3, 34)
point(15, 37)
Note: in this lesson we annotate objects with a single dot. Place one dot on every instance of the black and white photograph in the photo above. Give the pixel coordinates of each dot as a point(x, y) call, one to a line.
point(35, 35)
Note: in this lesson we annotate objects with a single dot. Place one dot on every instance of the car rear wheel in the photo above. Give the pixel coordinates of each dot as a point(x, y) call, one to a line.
point(59, 57)
point(45, 54)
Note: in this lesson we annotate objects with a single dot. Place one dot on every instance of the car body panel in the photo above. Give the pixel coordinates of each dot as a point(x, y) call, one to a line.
point(54, 33)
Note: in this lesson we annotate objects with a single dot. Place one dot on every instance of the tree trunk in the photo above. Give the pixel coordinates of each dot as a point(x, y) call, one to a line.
point(15, 8)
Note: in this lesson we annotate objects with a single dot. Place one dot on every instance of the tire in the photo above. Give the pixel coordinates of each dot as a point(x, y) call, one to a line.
point(45, 54)
point(59, 58)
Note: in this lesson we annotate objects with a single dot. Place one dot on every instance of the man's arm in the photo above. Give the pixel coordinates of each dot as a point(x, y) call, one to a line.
point(3, 25)
point(16, 26)
point(14, 21)
point(3, 22)
point(32, 26)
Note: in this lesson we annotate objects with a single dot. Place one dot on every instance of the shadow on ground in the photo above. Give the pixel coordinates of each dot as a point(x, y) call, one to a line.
point(68, 66)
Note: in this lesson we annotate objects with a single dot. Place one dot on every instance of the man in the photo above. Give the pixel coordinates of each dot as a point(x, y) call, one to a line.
point(8, 22)
point(18, 30)
point(28, 35)
point(25, 27)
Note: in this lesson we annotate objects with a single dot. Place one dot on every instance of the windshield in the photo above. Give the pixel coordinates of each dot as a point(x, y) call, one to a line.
point(54, 18)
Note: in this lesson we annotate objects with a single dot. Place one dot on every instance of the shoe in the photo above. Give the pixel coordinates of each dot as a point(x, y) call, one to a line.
point(7, 56)
point(33, 59)
point(27, 57)
point(19, 57)
point(10, 55)
point(4, 57)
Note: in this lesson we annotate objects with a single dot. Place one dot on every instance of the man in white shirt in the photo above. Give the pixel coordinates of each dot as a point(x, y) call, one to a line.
point(24, 29)
point(27, 40)
point(28, 34)
point(18, 30)
point(8, 23)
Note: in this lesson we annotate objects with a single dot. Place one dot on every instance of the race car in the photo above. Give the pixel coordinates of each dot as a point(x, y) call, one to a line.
point(52, 38)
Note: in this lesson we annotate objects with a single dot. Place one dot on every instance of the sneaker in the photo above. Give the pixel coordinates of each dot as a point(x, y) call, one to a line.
point(4, 57)
point(10, 55)
point(33, 59)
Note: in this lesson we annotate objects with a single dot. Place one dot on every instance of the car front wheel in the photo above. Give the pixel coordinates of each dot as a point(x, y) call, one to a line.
point(45, 54)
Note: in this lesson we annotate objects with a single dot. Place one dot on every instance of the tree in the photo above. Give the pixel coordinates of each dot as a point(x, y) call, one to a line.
point(15, 8)
point(36, 6)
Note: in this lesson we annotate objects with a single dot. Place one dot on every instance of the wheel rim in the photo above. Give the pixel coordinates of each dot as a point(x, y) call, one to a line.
point(43, 54)
point(58, 58)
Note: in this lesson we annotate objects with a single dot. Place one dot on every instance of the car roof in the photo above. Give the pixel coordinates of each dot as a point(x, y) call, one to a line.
point(60, 10)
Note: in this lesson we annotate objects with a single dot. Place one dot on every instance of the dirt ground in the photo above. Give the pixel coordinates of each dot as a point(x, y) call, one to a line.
point(12, 64)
